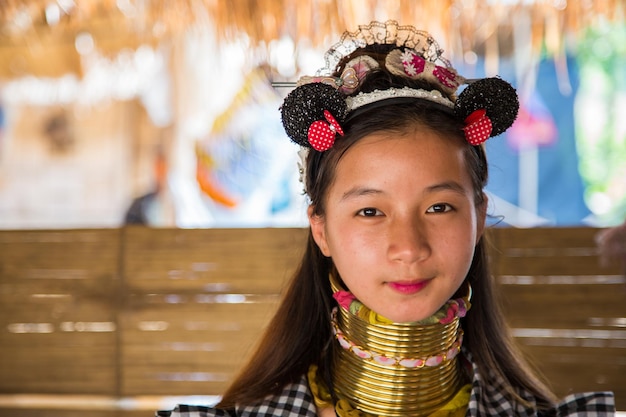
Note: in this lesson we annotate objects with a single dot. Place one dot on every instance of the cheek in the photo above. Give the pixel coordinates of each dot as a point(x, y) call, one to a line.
point(339, 241)
point(347, 238)
point(459, 245)
point(470, 250)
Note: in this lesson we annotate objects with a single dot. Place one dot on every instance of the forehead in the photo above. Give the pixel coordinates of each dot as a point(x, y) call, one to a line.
point(419, 157)
point(417, 144)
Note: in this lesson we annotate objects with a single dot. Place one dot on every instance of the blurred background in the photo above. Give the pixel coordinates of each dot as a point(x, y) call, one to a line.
point(163, 113)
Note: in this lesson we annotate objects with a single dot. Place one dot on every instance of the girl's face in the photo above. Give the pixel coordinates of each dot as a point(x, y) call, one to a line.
point(401, 222)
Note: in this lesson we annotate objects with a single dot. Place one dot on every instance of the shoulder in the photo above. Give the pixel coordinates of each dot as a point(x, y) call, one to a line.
point(294, 400)
point(589, 404)
point(489, 399)
point(194, 411)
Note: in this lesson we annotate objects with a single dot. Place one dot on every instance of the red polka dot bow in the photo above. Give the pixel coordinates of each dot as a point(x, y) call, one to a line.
point(477, 127)
point(322, 133)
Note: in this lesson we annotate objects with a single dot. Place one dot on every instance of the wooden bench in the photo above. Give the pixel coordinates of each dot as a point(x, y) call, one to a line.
point(59, 304)
point(567, 312)
point(195, 303)
point(111, 321)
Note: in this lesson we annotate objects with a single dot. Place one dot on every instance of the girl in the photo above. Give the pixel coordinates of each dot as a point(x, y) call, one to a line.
point(392, 310)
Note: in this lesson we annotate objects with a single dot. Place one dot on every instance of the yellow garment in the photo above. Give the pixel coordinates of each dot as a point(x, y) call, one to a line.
point(456, 407)
point(374, 318)
point(320, 393)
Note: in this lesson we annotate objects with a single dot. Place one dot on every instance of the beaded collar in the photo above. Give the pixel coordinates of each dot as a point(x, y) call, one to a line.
point(396, 369)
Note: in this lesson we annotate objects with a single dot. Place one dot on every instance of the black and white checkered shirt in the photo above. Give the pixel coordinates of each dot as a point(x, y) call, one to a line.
point(297, 400)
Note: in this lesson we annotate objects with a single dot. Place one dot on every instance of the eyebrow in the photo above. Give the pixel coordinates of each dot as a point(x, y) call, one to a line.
point(448, 185)
point(444, 186)
point(359, 191)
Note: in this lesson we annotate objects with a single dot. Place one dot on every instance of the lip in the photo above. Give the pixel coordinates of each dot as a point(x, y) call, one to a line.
point(408, 287)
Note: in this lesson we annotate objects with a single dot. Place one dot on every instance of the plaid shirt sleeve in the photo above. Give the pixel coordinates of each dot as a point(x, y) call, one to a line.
point(193, 411)
point(587, 404)
point(294, 400)
point(488, 400)
point(485, 401)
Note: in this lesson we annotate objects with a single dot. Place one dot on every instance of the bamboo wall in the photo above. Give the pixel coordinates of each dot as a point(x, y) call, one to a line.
point(127, 314)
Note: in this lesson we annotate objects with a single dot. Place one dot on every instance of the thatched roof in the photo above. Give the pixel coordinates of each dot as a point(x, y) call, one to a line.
point(41, 37)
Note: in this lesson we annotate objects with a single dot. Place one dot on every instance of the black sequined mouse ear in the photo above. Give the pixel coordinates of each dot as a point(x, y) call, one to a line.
point(494, 95)
point(305, 105)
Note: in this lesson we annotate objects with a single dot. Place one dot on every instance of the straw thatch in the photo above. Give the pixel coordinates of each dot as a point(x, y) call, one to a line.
point(38, 37)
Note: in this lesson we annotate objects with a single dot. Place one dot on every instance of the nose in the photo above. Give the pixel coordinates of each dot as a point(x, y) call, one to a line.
point(408, 241)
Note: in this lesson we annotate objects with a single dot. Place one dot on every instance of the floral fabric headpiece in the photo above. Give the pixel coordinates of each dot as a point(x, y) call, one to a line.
point(312, 114)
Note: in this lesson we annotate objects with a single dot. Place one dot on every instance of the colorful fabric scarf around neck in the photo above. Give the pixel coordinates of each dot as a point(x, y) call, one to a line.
point(453, 308)
point(377, 373)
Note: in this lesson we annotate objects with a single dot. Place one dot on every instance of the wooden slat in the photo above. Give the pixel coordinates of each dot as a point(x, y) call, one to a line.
point(567, 311)
point(543, 237)
point(56, 365)
point(546, 251)
point(187, 349)
point(579, 369)
point(141, 311)
point(562, 305)
point(58, 296)
point(60, 412)
point(220, 260)
point(197, 302)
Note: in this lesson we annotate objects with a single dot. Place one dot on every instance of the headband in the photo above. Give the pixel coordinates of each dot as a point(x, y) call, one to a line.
point(313, 113)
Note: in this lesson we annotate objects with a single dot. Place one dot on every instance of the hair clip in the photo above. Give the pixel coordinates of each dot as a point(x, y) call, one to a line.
point(321, 135)
point(311, 103)
point(493, 96)
point(478, 127)
point(409, 64)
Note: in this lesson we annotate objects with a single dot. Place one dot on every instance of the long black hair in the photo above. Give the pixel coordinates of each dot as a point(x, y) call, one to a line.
point(299, 335)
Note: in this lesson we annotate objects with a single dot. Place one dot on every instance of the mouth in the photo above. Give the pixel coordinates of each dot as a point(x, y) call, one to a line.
point(408, 287)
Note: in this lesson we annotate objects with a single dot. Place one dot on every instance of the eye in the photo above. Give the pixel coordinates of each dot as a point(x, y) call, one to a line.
point(369, 212)
point(439, 208)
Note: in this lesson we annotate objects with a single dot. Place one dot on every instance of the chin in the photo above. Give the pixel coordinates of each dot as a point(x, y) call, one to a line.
point(408, 317)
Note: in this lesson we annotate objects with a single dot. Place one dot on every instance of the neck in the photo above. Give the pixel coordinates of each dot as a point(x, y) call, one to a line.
point(394, 369)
